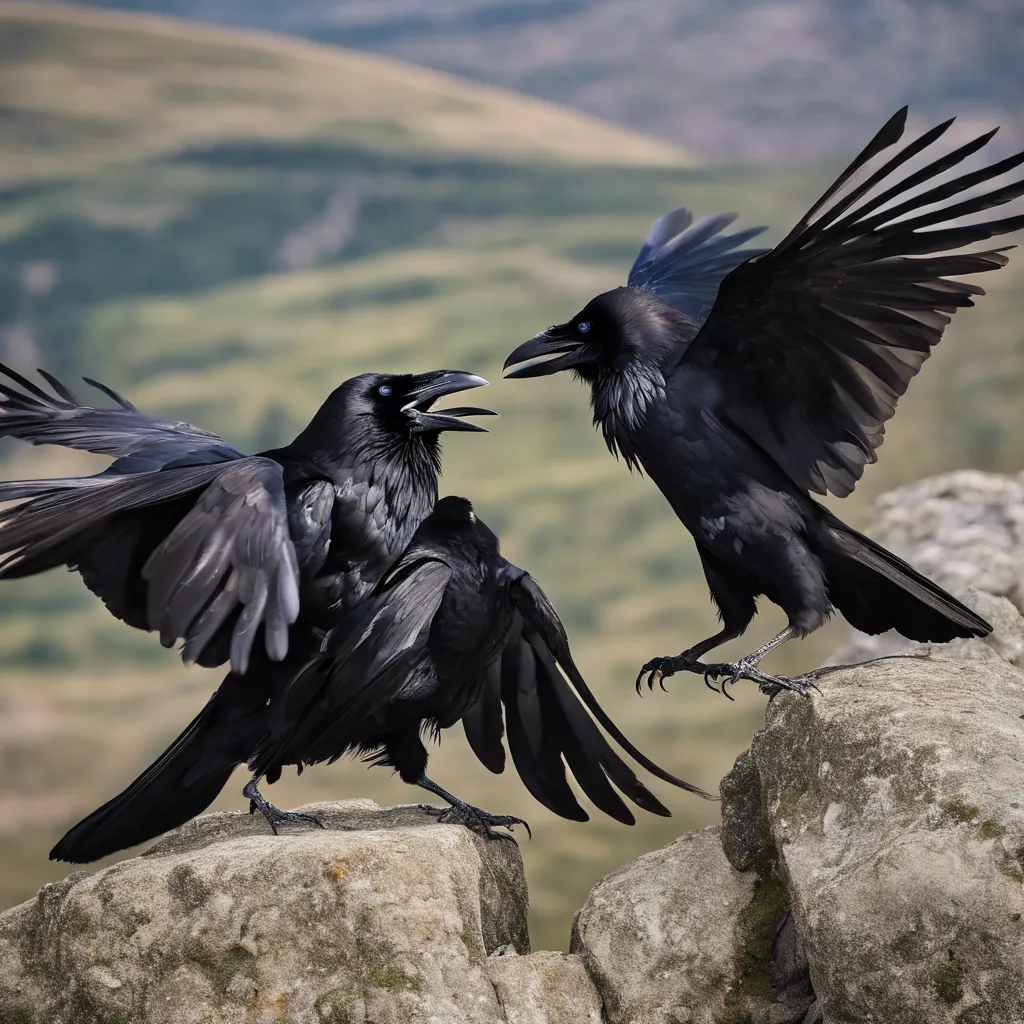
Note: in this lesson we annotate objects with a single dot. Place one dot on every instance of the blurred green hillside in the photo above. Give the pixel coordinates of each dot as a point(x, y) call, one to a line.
point(225, 225)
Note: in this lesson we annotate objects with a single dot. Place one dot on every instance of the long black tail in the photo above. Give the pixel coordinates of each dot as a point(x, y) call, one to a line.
point(181, 783)
point(876, 591)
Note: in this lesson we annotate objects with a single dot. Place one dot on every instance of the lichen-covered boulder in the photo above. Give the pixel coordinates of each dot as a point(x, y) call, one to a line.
point(679, 936)
point(895, 802)
point(222, 923)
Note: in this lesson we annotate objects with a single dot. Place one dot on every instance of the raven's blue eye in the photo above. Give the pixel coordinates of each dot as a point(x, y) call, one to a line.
point(384, 389)
point(584, 327)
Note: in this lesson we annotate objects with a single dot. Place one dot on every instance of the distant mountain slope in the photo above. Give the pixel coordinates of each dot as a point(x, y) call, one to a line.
point(776, 80)
point(176, 85)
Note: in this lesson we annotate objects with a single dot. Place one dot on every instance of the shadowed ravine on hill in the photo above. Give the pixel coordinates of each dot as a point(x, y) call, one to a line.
point(226, 259)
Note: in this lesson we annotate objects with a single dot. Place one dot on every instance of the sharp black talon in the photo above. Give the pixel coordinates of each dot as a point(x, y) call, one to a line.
point(482, 823)
point(274, 815)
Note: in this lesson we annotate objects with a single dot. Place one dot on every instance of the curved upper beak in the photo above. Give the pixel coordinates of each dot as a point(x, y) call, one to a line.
point(552, 342)
point(437, 385)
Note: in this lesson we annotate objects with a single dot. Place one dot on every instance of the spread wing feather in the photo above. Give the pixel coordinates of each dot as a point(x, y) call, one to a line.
point(683, 263)
point(483, 722)
point(139, 441)
point(182, 533)
point(232, 549)
point(544, 630)
point(813, 344)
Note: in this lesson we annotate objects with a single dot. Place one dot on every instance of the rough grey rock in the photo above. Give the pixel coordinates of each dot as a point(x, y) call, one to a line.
point(680, 937)
point(896, 806)
point(220, 922)
point(965, 530)
point(544, 988)
point(746, 837)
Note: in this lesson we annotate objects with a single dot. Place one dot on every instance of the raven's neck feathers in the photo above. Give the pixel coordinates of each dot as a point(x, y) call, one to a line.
point(649, 338)
point(620, 400)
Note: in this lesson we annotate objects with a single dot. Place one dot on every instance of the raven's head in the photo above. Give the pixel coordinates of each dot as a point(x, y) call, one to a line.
point(382, 414)
point(611, 334)
point(621, 343)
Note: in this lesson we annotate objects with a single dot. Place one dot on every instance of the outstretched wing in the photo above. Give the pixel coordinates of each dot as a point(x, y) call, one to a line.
point(193, 551)
point(368, 657)
point(812, 345)
point(230, 559)
point(139, 442)
point(548, 724)
point(684, 263)
point(182, 533)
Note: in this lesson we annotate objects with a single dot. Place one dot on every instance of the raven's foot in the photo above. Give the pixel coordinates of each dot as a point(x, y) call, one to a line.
point(482, 822)
point(657, 670)
point(274, 815)
point(770, 685)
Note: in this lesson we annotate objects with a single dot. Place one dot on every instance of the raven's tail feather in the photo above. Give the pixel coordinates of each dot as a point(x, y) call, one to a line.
point(876, 591)
point(179, 785)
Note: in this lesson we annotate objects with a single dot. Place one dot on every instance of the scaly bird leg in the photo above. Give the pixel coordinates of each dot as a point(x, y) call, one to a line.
point(476, 820)
point(274, 815)
point(746, 668)
point(657, 670)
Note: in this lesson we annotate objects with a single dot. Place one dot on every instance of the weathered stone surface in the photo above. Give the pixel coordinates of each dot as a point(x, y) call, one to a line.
point(680, 937)
point(965, 530)
point(746, 837)
point(896, 805)
point(544, 988)
point(222, 923)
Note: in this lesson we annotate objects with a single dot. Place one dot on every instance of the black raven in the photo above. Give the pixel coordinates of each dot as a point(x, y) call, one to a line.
point(738, 404)
point(184, 534)
point(456, 632)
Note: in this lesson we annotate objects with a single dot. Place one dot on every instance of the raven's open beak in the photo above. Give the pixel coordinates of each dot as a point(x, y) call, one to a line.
point(436, 385)
point(557, 342)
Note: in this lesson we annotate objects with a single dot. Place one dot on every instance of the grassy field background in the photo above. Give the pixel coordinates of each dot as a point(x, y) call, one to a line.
point(225, 225)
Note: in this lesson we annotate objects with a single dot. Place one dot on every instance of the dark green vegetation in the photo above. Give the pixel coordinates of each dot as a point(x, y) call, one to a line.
point(235, 228)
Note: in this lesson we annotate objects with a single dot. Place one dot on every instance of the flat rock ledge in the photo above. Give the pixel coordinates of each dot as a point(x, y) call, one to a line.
point(398, 919)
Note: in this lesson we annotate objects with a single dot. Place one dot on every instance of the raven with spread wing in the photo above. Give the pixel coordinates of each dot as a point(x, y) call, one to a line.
point(247, 559)
point(740, 381)
point(186, 535)
point(455, 632)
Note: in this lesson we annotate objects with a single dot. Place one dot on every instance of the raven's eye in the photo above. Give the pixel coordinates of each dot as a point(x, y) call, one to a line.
point(384, 389)
point(584, 327)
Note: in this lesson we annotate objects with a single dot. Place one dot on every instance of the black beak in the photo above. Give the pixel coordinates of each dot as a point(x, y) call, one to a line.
point(552, 342)
point(435, 386)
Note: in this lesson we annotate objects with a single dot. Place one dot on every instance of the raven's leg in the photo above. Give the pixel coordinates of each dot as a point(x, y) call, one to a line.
point(274, 815)
point(476, 820)
point(657, 670)
point(735, 599)
point(746, 668)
